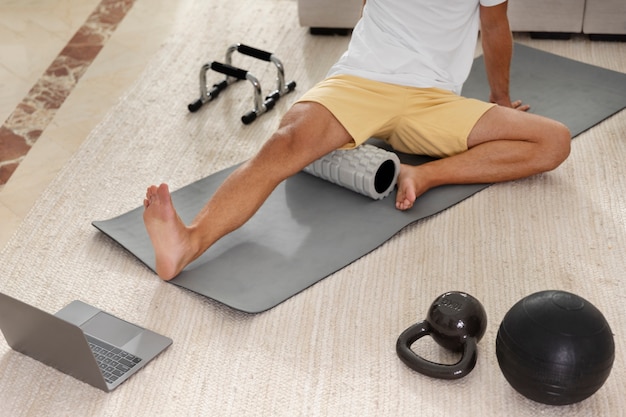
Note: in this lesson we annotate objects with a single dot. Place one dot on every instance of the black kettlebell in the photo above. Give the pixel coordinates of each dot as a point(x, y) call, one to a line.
point(456, 321)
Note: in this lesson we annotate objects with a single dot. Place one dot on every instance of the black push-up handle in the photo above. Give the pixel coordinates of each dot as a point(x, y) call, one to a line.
point(254, 52)
point(229, 70)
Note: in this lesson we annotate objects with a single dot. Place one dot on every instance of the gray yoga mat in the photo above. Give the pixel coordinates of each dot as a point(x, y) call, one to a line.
point(310, 228)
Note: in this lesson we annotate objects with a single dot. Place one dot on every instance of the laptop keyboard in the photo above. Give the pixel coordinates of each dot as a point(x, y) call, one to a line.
point(113, 362)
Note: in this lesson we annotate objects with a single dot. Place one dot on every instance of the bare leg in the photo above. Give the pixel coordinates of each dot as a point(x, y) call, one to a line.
point(308, 132)
point(504, 145)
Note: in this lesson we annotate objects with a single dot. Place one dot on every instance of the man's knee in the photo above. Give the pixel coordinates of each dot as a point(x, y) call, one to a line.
point(311, 125)
point(555, 146)
point(307, 132)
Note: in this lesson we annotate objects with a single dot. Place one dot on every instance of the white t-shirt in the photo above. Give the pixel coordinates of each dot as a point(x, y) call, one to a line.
point(417, 43)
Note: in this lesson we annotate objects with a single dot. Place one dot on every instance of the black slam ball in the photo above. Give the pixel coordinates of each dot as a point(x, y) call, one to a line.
point(555, 348)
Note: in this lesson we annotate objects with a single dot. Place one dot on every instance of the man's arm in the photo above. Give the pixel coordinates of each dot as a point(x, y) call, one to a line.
point(497, 43)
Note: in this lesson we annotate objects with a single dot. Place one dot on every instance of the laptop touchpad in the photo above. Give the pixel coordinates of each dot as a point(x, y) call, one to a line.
point(110, 329)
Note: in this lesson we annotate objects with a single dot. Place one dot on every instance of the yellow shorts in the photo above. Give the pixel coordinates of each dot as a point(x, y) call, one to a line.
point(423, 121)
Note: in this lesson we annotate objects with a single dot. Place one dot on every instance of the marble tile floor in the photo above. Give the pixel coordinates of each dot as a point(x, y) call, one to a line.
point(63, 65)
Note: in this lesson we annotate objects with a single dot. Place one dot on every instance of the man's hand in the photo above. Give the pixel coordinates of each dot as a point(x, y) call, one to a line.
point(517, 104)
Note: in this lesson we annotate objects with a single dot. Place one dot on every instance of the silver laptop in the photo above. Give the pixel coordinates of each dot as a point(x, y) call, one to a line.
point(80, 340)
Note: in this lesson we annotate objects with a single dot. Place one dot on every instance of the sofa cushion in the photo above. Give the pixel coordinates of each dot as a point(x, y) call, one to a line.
point(605, 17)
point(329, 13)
point(547, 15)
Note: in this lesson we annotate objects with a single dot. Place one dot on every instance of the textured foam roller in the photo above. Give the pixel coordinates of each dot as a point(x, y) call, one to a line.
point(368, 170)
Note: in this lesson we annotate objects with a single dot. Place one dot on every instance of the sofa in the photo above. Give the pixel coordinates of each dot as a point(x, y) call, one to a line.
point(592, 17)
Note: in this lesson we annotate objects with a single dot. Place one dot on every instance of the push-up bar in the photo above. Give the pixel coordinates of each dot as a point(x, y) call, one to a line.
point(234, 74)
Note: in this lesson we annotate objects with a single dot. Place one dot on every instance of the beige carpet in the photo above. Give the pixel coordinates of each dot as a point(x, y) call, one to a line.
point(329, 351)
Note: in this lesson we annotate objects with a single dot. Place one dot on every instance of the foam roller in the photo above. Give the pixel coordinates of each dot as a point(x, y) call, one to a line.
point(367, 170)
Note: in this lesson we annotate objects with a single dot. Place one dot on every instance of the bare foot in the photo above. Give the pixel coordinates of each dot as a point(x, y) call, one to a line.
point(409, 187)
point(169, 236)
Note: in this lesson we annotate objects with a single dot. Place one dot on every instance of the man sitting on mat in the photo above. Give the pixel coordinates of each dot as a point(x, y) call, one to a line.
point(399, 80)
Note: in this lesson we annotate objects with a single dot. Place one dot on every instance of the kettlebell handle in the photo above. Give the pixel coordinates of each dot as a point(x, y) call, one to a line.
point(432, 369)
